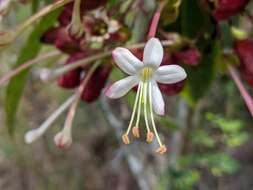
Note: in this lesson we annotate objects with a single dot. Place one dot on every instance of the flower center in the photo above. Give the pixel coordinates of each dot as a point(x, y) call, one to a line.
point(146, 74)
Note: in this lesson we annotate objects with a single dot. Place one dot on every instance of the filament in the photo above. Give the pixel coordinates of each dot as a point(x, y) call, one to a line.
point(139, 91)
point(139, 106)
point(152, 116)
point(145, 106)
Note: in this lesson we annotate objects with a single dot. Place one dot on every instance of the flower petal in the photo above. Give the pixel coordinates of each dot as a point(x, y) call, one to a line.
point(157, 100)
point(153, 52)
point(126, 61)
point(121, 87)
point(170, 74)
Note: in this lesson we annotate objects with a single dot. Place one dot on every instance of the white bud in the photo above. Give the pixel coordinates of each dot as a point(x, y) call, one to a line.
point(32, 135)
point(63, 139)
point(45, 74)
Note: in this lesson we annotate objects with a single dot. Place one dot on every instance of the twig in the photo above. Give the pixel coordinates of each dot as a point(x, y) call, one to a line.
point(155, 20)
point(246, 96)
point(24, 66)
point(72, 109)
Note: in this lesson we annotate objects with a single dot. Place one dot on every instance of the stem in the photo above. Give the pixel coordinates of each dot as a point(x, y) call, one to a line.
point(155, 20)
point(75, 27)
point(72, 109)
point(26, 65)
point(64, 69)
point(246, 96)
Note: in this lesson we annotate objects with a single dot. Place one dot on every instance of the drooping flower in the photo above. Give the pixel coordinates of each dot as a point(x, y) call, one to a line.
point(146, 74)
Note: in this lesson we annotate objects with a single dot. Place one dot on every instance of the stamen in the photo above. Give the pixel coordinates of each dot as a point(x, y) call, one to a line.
point(136, 132)
point(125, 139)
point(139, 106)
point(150, 137)
point(145, 107)
point(134, 109)
point(162, 149)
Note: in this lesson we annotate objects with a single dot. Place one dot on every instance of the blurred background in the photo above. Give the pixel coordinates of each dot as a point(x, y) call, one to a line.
point(207, 127)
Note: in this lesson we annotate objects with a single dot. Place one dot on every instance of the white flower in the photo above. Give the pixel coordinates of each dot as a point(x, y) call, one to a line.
point(146, 74)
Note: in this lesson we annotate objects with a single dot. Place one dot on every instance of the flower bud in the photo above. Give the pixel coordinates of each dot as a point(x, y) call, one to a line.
point(244, 50)
point(63, 139)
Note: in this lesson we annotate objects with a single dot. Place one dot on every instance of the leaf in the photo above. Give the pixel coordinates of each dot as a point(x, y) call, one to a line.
point(196, 23)
point(199, 78)
point(29, 51)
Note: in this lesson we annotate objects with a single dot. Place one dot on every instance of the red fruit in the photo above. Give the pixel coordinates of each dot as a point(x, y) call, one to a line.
point(244, 50)
point(96, 83)
point(72, 78)
point(227, 8)
point(189, 56)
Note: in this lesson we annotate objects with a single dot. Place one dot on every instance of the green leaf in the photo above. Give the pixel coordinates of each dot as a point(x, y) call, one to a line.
point(200, 77)
point(29, 51)
point(194, 20)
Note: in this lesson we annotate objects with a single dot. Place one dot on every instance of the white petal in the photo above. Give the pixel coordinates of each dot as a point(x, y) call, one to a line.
point(170, 74)
point(126, 61)
point(168, 69)
point(121, 87)
point(157, 100)
point(153, 52)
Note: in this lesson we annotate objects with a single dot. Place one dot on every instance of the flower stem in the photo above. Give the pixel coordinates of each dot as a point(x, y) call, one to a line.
point(26, 65)
point(81, 88)
point(246, 96)
point(75, 27)
point(155, 20)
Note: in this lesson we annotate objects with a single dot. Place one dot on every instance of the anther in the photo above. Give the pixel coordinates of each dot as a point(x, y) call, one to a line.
point(125, 139)
point(150, 137)
point(162, 149)
point(136, 132)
